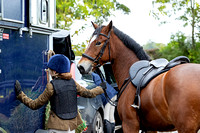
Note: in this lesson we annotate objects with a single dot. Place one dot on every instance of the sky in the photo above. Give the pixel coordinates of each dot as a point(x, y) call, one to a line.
point(138, 24)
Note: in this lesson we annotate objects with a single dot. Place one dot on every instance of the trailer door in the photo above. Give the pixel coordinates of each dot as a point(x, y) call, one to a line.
point(23, 59)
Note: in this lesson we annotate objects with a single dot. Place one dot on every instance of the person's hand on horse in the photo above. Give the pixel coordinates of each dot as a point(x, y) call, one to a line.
point(18, 89)
point(103, 85)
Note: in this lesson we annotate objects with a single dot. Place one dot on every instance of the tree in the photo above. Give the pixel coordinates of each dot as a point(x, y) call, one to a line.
point(152, 45)
point(178, 46)
point(79, 49)
point(187, 11)
point(69, 10)
point(152, 49)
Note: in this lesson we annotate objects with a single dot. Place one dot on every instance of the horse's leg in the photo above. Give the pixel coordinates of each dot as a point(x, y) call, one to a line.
point(128, 115)
point(130, 126)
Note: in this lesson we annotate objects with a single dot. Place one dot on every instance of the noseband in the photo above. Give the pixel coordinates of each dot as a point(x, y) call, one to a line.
point(98, 57)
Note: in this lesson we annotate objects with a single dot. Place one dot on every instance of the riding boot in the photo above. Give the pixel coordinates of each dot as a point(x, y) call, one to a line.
point(107, 127)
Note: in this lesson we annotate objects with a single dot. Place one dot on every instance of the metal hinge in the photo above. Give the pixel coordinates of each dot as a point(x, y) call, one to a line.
point(1, 34)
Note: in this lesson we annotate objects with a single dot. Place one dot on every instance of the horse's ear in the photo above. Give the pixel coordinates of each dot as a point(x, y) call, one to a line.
point(94, 25)
point(109, 26)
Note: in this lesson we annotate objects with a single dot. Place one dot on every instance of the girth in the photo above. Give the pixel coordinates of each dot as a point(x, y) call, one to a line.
point(143, 71)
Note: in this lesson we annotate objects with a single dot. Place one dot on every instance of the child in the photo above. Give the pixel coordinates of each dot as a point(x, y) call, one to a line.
point(62, 93)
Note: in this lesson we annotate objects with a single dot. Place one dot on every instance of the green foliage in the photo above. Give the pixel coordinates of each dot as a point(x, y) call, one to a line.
point(47, 112)
point(152, 45)
point(170, 7)
point(176, 47)
point(194, 54)
point(79, 49)
point(69, 10)
point(152, 49)
point(2, 130)
point(180, 46)
point(187, 11)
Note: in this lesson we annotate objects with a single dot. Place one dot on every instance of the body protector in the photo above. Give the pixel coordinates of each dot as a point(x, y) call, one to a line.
point(64, 100)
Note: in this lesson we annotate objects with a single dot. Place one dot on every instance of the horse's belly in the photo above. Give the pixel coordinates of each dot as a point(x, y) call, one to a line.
point(158, 126)
point(155, 119)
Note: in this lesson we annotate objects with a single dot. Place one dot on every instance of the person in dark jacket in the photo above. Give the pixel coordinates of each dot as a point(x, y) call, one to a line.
point(62, 93)
point(109, 120)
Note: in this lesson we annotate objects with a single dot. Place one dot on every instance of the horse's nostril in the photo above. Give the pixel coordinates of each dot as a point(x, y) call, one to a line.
point(81, 69)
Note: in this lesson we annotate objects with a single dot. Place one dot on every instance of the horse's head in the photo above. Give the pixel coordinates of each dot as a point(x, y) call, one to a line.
point(98, 51)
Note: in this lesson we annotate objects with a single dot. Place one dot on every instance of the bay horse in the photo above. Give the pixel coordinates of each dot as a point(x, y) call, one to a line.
point(171, 101)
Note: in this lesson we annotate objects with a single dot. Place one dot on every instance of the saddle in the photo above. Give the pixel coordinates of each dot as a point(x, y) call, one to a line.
point(143, 71)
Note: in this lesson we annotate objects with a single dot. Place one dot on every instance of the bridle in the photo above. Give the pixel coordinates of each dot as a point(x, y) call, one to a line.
point(97, 59)
point(100, 54)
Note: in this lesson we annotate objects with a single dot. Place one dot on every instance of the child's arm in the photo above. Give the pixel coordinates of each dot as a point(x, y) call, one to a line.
point(40, 101)
point(82, 91)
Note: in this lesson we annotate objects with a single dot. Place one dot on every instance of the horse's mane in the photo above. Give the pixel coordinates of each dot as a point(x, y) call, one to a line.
point(131, 44)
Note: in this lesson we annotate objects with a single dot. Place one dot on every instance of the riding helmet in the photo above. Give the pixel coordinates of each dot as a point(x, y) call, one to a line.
point(59, 63)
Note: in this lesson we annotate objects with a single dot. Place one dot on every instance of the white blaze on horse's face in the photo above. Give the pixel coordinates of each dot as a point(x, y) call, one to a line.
point(93, 38)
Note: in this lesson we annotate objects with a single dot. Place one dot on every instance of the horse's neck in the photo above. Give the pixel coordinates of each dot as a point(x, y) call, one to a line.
point(122, 61)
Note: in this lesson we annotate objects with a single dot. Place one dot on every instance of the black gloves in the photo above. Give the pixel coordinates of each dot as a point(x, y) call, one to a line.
point(17, 87)
point(103, 85)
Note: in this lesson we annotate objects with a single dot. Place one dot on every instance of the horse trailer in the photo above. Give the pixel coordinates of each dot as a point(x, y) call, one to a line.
point(27, 28)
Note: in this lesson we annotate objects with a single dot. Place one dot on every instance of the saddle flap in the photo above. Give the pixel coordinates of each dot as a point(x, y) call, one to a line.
point(137, 66)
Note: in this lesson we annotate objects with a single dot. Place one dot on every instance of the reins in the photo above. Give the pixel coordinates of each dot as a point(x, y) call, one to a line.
point(113, 103)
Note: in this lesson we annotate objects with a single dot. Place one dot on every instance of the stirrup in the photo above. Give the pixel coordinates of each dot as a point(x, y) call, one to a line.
point(135, 106)
point(136, 103)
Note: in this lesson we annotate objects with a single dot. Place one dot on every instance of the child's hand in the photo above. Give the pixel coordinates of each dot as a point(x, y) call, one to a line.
point(103, 85)
point(18, 89)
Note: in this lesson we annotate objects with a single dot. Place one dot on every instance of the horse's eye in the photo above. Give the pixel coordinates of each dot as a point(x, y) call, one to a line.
point(98, 43)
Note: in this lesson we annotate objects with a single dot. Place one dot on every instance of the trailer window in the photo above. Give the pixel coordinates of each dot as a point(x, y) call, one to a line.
point(44, 11)
point(12, 10)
